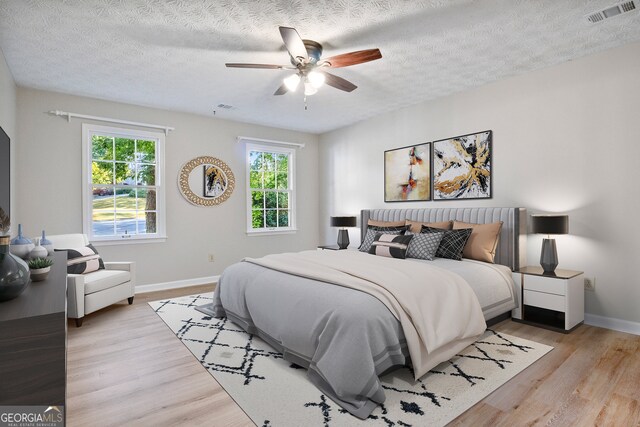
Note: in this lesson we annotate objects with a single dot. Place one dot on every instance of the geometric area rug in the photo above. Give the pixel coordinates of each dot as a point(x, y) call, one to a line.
point(274, 392)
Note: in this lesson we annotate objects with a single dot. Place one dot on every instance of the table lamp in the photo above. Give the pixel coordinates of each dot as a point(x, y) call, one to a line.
point(343, 234)
point(550, 224)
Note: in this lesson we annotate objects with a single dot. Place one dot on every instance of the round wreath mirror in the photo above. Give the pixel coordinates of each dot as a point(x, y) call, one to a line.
point(206, 181)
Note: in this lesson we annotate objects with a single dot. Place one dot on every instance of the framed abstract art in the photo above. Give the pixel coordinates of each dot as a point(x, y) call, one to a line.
point(214, 182)
point(407, 174)
point(462, 167)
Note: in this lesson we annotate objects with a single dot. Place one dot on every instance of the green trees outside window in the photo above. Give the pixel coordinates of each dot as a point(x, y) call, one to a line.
point(123, 181)
point(271, 189)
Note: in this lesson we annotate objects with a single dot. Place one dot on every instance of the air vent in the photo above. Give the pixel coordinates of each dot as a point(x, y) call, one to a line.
point(225, 106)
point(628, 6)
point(596, 17)
point(612, 11)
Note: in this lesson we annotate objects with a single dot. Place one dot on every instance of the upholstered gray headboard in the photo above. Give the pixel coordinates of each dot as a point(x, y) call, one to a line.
point(511, 249)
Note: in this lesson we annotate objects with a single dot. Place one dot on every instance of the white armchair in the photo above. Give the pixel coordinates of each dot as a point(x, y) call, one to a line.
point(89, 292)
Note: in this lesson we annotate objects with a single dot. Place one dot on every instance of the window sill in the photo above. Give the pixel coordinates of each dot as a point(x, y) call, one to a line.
point(271, 232)
point(132, 241)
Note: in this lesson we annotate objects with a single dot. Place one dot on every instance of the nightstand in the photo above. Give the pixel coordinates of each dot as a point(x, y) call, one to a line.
point(330, 248)
point(553, 302)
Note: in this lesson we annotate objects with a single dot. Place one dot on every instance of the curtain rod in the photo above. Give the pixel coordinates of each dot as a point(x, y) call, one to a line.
point(68, 115)
point(270, 141)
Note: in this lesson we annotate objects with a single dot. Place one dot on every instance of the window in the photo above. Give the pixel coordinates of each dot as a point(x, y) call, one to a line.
point(123, 184)
point(270, 189)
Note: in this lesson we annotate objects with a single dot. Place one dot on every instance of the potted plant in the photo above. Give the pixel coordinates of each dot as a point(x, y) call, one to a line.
point(40, 268)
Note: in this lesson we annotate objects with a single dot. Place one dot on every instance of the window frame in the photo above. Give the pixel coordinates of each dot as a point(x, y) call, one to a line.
point(88, 130)
point(291, 152)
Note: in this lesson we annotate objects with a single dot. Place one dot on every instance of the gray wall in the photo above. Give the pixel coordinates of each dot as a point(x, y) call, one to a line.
point(8, 118)
point(566, 139)
point(49, 186)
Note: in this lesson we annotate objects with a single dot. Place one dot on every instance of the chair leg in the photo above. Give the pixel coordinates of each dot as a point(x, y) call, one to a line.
point(79, 322)
point(130, 299)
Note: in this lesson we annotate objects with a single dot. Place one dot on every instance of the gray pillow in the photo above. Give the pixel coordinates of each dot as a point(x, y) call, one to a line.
point(424, 245)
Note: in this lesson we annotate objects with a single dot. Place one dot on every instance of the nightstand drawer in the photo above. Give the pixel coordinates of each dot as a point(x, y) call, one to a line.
point(544, 300)
point(548, 285)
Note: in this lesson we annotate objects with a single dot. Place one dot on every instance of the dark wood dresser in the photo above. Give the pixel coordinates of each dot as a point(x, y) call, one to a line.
point(33, 341)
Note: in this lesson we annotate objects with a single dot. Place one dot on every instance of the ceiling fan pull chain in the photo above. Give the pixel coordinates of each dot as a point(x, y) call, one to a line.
point(305, 103)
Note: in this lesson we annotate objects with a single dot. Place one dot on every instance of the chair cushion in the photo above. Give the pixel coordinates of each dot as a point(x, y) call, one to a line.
point(104, 279)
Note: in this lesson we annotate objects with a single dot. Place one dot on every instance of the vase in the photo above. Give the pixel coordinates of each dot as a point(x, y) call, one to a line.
point(46, 243)
point(38, 251)
point(21, 246)
point(14, 272)
point(39, 274)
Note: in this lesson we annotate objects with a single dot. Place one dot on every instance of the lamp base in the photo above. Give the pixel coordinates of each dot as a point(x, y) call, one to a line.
point(549, 256)
point(343, 238)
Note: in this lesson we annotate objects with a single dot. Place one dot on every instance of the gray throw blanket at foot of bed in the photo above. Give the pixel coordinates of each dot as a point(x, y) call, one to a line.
point(348, 338)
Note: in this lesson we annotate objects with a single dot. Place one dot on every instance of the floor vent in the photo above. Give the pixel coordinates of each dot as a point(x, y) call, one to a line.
point(612, 11)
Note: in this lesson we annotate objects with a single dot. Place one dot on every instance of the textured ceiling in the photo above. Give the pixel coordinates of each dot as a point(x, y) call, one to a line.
point(170, 54)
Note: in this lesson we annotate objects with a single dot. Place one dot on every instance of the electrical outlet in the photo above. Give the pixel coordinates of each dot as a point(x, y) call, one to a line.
point(211, 258)
point(590, 284)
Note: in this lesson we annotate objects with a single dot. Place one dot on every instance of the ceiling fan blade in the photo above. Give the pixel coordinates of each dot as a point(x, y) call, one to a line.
point(267, 66)
point(353, 58)
point(281, 90)
point(339, 82)
point(293, 43)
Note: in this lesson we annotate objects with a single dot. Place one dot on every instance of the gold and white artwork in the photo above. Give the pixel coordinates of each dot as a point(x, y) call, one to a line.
point(462, 167)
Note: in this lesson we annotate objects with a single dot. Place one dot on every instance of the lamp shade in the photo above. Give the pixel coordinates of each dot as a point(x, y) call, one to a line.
point(343, 221)
point(550, 224)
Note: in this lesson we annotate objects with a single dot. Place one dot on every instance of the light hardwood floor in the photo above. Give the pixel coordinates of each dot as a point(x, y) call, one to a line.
point(126, 368)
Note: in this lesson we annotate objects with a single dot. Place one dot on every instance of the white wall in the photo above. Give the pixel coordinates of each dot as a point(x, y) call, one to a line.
point(8, 118)
point(566, 139)
point(49, 186)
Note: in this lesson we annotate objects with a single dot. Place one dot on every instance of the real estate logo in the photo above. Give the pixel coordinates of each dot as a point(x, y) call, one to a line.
point(31, 416)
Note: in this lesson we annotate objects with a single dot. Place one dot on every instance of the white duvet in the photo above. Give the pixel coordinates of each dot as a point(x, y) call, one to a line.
point(439, 312)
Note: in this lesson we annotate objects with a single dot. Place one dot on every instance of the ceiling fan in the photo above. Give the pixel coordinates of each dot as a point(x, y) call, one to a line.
point(310, 69)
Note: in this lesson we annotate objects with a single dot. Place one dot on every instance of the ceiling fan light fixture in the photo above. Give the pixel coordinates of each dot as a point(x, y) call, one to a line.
point(309, 89)
point(292, 82)
point(306, 59)
point(316, 79)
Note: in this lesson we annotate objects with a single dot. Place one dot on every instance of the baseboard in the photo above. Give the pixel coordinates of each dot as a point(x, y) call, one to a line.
point(154, 287)
point(612, 323)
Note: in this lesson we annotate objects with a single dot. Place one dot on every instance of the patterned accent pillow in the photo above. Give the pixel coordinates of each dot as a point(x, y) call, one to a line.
point(390, 245)
point(452, 242)
point(416, 226)
point(83, 260)
point(424, 245)
point(371, 235)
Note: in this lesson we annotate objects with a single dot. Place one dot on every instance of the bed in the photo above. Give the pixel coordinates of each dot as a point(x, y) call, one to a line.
point(349, 317)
